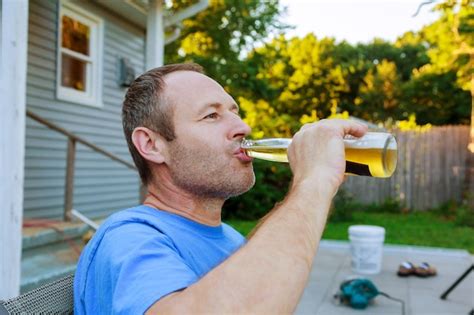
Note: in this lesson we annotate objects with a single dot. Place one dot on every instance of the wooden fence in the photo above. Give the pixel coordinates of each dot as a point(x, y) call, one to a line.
point(431, 170)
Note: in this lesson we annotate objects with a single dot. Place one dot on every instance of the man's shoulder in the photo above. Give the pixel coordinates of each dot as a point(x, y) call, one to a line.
point(123, 229)
point(139, 213)
point(139, 216)
point(126, 251)
point(231, 232)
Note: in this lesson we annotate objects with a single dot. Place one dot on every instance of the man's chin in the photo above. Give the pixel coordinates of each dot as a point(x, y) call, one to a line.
point(249, 183)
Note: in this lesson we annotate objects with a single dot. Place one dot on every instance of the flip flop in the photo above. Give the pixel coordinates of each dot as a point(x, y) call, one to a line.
point(425, 270)
point(406, 269)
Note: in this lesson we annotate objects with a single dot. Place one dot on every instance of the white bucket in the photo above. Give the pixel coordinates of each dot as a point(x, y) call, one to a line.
point(366, 248)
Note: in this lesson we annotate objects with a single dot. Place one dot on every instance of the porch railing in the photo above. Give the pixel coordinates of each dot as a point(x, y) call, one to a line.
point(71, 159)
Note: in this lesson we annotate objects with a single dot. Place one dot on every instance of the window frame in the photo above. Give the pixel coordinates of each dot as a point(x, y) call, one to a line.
point(92, 96)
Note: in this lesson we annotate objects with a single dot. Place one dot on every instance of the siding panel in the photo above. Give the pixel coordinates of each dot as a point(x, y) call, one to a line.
point(101, 185)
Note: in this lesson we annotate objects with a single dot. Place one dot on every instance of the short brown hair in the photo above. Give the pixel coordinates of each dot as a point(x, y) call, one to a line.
point(145, 106)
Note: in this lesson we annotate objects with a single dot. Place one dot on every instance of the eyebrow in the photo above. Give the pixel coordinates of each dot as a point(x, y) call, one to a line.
point(216, 105)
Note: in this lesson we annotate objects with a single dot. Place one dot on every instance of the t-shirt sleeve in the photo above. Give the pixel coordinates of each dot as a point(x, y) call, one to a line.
point(142, 265)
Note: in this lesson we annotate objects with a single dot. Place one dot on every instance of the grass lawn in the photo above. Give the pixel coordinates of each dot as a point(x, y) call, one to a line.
point(422, 228)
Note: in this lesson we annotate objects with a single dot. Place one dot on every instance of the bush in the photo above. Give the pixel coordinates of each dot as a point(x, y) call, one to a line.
point(447, 210)
point(464, 216)
point(388, 206)
point(271, 186)
point(460, 213)
point(343, 207)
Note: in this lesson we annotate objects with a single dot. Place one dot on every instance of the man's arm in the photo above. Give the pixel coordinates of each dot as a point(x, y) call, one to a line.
point(269, 273)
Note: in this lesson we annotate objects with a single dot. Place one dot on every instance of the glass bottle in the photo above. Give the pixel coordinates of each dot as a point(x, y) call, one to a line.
point(374, 154)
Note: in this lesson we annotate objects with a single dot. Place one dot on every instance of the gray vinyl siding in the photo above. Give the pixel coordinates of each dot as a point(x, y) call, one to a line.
point(1, 23)
point(102, 186)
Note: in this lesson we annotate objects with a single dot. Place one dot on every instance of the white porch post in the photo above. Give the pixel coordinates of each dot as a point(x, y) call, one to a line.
point(155, 35)
point(13, 54)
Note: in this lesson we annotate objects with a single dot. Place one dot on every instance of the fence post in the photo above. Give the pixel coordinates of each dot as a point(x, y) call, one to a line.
point(69, 187)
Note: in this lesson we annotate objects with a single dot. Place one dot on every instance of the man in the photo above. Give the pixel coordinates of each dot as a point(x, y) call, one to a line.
point(173, 254)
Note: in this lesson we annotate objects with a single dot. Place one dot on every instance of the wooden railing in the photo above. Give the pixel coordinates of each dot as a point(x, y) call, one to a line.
point(71, 158)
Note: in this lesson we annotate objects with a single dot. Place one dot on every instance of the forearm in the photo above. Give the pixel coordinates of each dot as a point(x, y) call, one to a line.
point(269, 273)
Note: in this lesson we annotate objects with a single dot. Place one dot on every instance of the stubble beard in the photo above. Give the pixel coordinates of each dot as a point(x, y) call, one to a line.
point(207, 174)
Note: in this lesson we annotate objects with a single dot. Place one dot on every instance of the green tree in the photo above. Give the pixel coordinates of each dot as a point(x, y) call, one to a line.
point(300, 79)
point(378, 95)
point(435, 98)
point(451, 41)
point(288, 81)
point(362, 60)
point(442, 90)
point(219, 37)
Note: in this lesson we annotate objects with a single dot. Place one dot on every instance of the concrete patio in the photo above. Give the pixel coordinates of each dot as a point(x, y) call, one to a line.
point(421, 295)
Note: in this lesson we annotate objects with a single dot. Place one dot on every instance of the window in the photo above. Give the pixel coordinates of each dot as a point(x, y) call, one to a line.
point(79, 56)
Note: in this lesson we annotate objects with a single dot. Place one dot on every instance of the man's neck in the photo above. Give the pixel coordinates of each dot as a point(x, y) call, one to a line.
point(172, 199)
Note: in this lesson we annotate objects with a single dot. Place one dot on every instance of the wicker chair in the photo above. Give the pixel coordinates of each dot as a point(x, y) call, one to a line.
point(52, 298)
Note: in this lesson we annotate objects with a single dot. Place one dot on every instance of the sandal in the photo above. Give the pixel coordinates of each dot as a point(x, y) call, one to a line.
point(425, 270)
point(406, 269)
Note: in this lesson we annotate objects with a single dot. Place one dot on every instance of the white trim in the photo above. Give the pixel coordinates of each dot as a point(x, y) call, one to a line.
point(136, 6)
point(76, 55)
point(13, 60)
point(185, 13)
point(93, 90)
point(155, 35)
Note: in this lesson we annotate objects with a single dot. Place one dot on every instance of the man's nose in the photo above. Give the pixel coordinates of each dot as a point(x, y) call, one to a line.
point(239, 129)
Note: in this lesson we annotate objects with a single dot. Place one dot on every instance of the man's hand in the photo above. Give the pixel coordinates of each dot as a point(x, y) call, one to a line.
point(317, 157)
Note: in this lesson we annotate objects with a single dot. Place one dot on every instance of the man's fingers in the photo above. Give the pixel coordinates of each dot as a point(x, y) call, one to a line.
point(306, 126)
point(348, 127)
point(355, 129)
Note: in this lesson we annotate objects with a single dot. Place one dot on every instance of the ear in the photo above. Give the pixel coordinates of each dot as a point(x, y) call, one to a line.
point(149, 144)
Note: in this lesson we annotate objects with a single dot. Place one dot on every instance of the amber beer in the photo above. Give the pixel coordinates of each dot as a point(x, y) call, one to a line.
point(374, 154)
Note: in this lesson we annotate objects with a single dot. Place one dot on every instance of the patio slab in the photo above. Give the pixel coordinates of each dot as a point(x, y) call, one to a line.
point(421, 295)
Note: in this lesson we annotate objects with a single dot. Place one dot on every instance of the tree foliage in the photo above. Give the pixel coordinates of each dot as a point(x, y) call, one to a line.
point(219, 37)
point(281, 83)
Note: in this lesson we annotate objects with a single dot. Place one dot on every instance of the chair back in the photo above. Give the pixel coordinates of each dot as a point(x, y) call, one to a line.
point(52, 298)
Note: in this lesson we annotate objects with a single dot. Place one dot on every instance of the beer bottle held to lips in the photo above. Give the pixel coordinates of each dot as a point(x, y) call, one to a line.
point(374, 154)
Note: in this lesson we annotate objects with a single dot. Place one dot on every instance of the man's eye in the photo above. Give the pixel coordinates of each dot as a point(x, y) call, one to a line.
point(211, 116)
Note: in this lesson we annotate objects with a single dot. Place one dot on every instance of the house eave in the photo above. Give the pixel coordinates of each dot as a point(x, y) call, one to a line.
point(127, 10)
point(136, 11)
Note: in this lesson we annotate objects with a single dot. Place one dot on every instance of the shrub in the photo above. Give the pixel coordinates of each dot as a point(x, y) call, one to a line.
point(343, 207)
point(271, 186)
point(461, 214)
point(388, 206)
point(464, 216)
point(447, 209)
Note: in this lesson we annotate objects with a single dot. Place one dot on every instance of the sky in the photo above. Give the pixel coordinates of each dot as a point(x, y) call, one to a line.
point(356, 20)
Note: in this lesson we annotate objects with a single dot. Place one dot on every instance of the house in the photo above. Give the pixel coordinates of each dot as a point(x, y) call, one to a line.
point(67, 65)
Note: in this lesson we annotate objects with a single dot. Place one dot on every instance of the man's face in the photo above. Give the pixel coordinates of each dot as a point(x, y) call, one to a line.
point(205, 159)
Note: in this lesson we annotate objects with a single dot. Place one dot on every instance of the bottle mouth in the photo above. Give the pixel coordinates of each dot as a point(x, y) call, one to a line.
point(390, 162)
point(246, 144)
point(265, 143)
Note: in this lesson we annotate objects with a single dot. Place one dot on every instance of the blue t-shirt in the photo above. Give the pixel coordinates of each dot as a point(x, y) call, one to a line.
point(141, 254)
